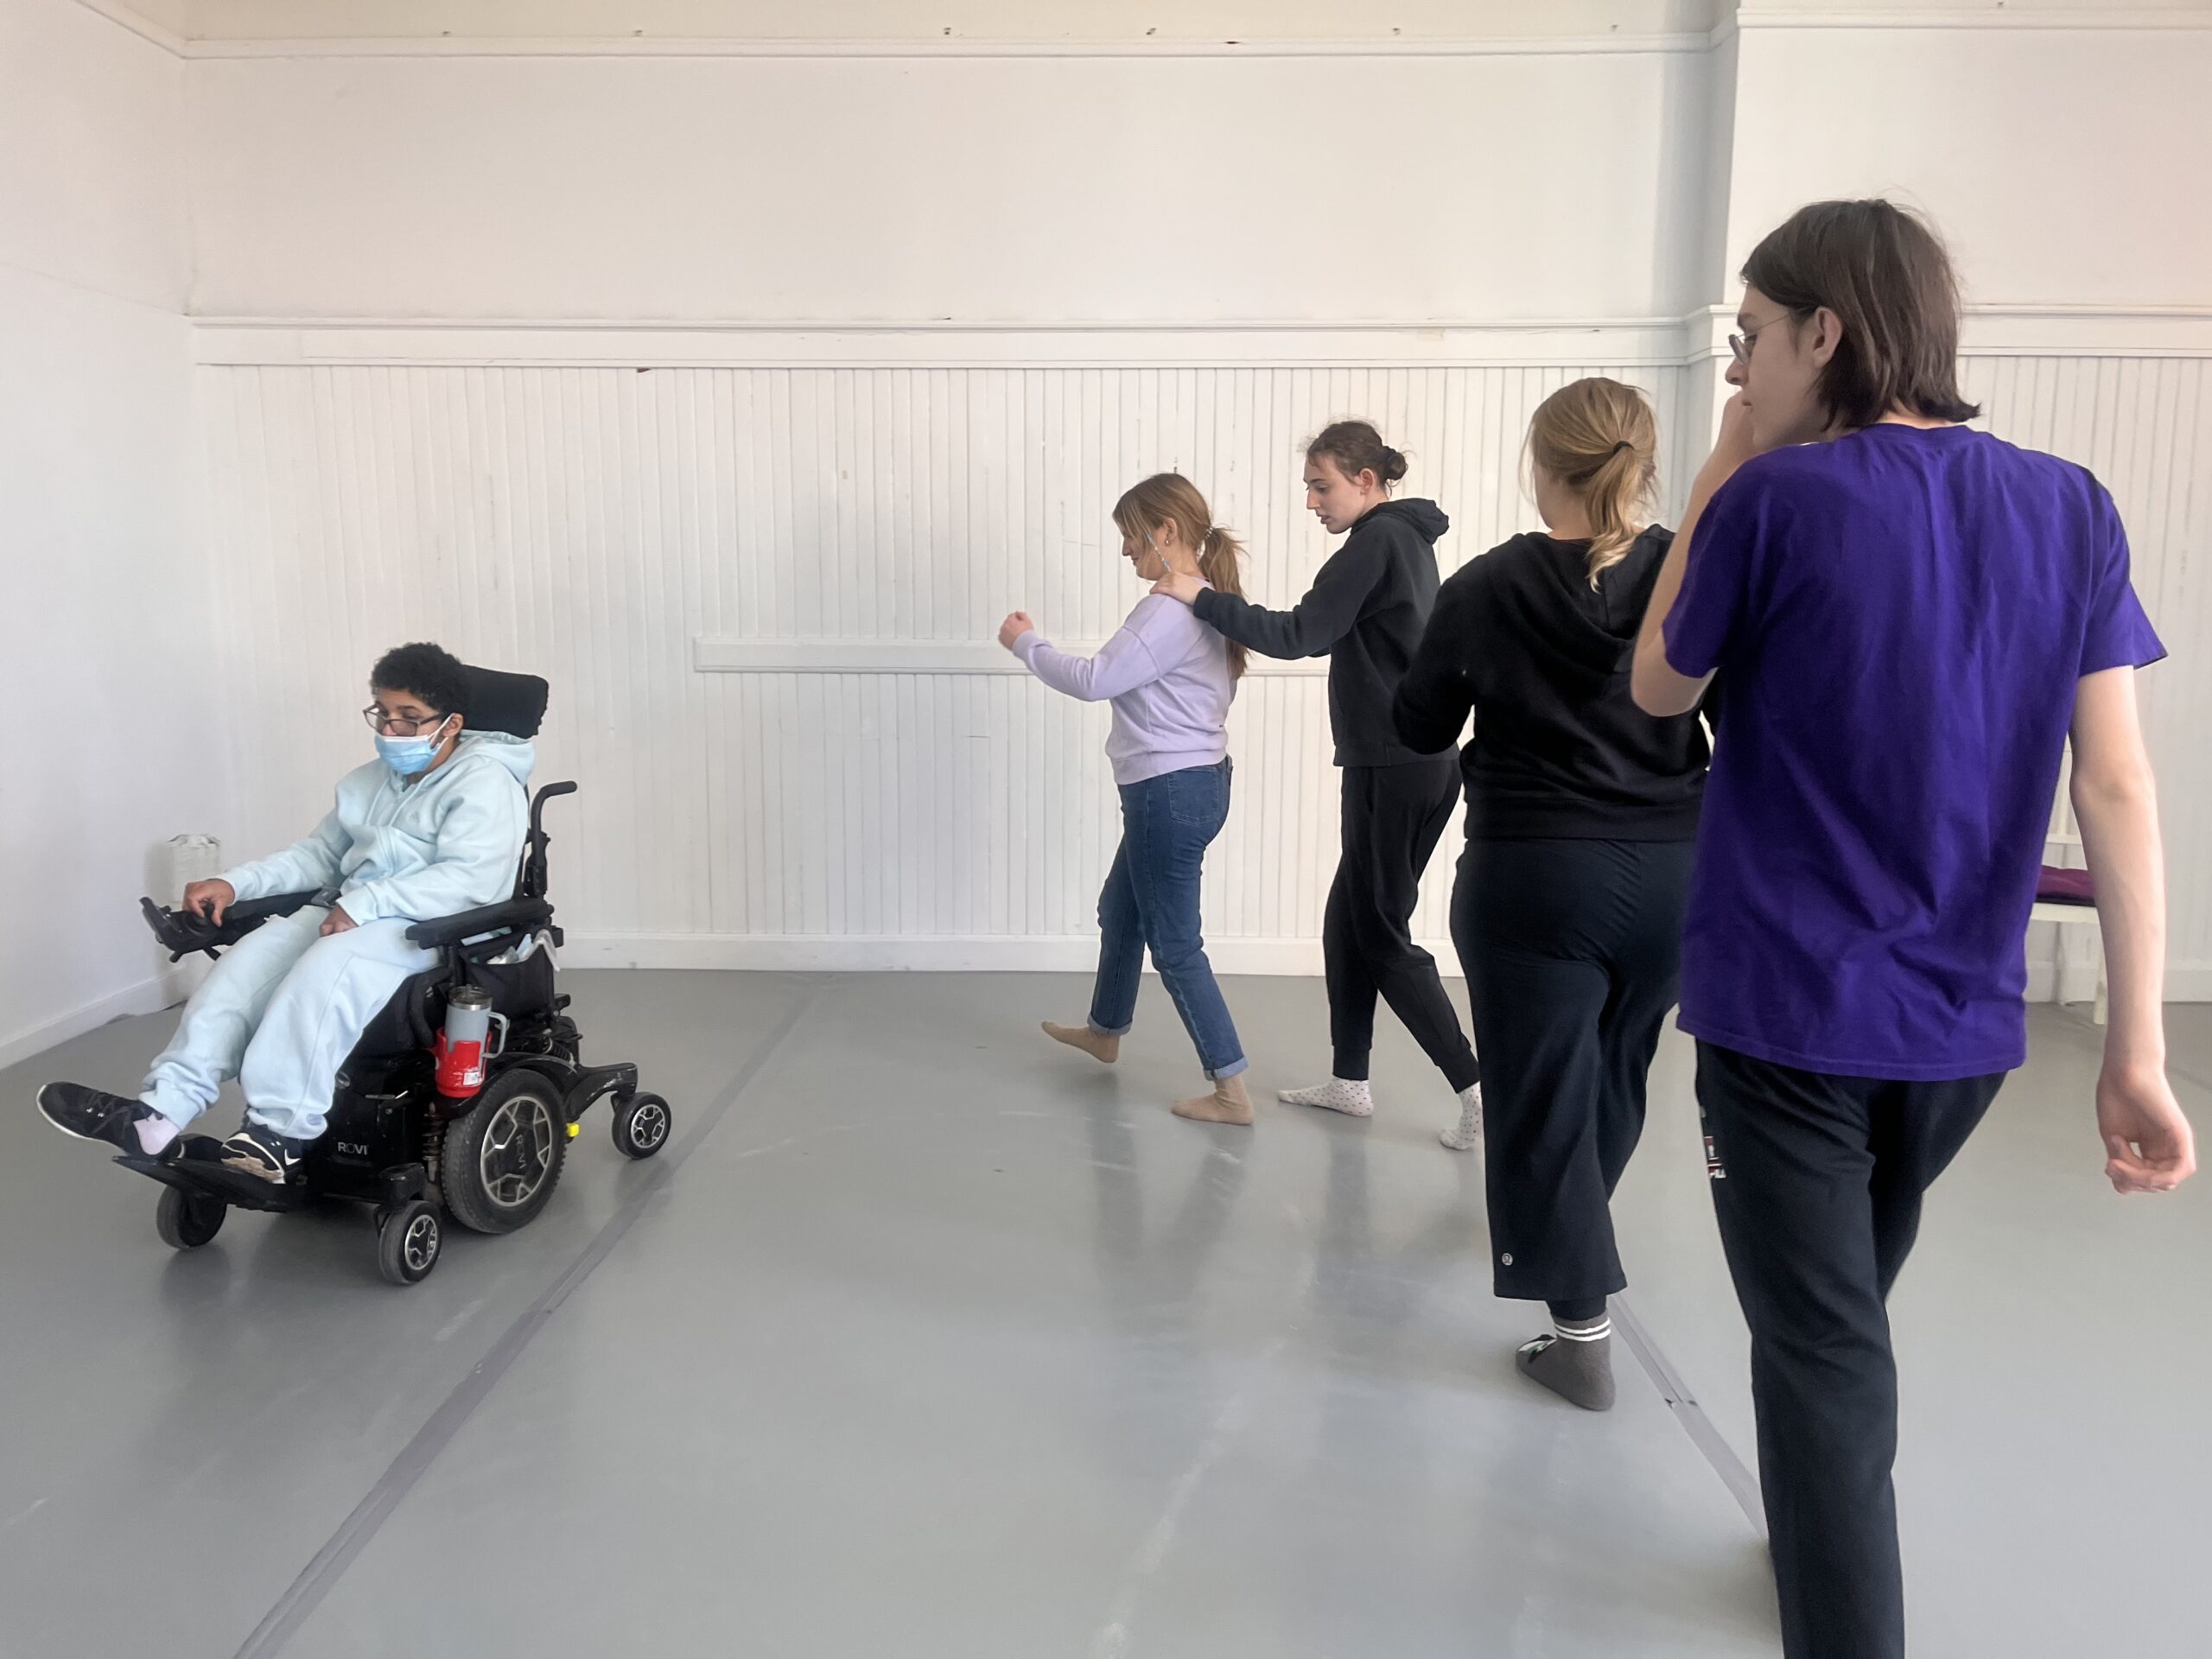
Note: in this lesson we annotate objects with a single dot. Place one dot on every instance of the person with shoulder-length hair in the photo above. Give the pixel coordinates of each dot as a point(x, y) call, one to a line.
point(1582, 810)
point(1364, 613)
point(1171, 679)
point(1907, 618)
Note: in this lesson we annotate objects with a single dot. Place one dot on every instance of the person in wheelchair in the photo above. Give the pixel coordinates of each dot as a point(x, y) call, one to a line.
point(434, 826)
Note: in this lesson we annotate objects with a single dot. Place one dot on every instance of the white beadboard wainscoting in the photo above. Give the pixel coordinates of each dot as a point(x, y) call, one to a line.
point(763, 570)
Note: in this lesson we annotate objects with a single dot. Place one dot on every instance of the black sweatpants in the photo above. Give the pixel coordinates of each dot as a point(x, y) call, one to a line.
point(1393, 818)
point(1817, 1182)
point(1571, 949)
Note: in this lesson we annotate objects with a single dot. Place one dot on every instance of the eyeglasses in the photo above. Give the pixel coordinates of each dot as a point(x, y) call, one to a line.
point(395, 726)
point(1741, 344)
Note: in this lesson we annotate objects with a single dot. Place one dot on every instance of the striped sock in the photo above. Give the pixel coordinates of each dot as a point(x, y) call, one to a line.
point(1576, 1362)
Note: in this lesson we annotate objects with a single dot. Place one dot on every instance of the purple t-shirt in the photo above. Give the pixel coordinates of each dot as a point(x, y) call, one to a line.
point(1898, 618)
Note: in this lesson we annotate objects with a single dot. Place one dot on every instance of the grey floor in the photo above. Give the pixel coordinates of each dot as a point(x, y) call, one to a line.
point(927, 1338)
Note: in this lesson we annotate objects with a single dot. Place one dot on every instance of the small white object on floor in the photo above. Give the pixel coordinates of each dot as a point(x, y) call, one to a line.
point(1467, 1134)
point(1347, 1095)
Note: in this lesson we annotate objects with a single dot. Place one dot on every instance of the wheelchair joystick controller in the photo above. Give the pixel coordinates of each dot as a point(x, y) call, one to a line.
point(464, 1045)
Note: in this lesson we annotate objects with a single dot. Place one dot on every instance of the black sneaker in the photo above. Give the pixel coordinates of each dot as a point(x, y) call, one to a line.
point(256, 1149)
point(92, 1115)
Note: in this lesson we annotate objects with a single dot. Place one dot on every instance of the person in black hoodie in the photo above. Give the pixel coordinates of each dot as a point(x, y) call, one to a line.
point(1365, 612)
point(1581, 815)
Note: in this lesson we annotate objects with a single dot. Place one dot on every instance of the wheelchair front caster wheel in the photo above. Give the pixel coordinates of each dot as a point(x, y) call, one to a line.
point(186, 1220)
point(641, 1125)
point(408, 1239)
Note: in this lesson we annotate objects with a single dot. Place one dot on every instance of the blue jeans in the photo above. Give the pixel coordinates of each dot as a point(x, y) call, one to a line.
point(1151, 900)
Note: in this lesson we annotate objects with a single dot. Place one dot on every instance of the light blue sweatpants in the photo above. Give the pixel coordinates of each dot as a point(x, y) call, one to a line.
point(281, 1011)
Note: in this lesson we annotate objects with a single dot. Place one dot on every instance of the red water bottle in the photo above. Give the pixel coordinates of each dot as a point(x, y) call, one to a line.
point(464, 1045)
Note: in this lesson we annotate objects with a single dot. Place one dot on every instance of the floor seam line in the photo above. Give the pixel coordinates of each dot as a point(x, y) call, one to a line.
point(1704, 1434)
point(1111, 1640)
point(367, 1517)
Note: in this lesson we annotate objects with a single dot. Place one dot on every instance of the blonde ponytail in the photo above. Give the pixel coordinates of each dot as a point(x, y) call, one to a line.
point(1221, 562)
point(1171, 498)
point(1597, 437)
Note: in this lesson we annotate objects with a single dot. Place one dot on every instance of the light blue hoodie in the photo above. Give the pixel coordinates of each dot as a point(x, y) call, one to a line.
point(447, 842)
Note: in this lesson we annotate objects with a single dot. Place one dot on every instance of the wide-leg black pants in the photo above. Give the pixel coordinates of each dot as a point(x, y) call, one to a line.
point(1570, 948)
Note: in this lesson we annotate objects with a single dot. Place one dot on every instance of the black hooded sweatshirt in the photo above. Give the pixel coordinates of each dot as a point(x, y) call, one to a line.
point(1561, 751)
point(1364, 613)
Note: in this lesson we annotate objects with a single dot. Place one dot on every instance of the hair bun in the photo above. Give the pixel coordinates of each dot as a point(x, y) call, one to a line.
point(1355, 446)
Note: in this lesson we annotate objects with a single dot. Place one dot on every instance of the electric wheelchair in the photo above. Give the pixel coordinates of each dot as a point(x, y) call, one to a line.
point(489, 1160)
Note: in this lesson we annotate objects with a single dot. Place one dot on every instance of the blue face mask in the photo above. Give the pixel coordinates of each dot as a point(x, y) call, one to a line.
point(411, 757)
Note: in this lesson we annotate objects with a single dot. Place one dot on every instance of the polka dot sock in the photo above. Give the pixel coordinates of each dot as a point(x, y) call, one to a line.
point(1467, 1134)
point(1349, 1095)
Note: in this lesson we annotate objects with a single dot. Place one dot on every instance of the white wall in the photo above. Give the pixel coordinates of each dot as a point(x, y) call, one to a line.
point(844, 807)
point(1078, 311)
point(614, 357)
point(114, 739)
point(838, 805)
point(1078, 307)
point(2063, 164)
point(933, 187)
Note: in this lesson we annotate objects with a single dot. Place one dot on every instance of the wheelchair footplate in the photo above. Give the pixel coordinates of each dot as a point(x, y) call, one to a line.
point(197, 1171)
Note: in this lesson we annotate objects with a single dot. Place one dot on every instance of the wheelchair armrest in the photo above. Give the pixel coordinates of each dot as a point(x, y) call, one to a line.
point(182, 932)
point(508, 916)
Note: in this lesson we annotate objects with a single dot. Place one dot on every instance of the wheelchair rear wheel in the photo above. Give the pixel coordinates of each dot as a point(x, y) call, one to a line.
point(641, 1125)
point(186, 1220)
point(502, 1160)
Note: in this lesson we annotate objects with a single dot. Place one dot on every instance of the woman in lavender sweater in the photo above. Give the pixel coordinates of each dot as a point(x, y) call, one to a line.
point(1171, 679)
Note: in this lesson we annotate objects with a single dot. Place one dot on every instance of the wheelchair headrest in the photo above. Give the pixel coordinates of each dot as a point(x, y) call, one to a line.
point(498, 702)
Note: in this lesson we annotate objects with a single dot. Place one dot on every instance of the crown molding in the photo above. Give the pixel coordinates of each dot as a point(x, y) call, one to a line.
point(2028, 328)
point(1744, 20)
point(2024, 20)
point(641, 47)
point(1619, 342)
point(125, 17)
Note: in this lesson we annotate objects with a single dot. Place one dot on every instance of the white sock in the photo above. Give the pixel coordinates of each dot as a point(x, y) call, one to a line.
point(1346, 1095)
point(154, 1133)
point(1467, 1134)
